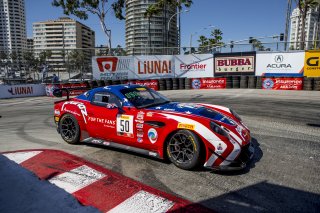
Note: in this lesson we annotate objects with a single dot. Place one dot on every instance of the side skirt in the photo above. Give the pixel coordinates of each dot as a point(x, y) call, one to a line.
point(121, 146)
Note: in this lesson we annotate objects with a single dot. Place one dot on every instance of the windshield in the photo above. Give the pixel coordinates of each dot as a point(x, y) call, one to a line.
point(142, 97)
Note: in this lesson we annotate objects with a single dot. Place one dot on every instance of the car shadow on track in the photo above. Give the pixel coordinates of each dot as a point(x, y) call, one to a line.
point(251, 164)
point(263, 197)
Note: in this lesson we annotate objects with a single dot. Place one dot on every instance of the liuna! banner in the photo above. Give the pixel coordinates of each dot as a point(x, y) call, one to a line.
point(282, 83)
point(209, 83)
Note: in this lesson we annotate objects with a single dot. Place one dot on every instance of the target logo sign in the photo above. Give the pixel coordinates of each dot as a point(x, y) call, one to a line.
point(107, 64)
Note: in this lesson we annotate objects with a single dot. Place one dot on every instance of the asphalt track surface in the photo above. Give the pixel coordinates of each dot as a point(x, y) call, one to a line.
point(284, 175)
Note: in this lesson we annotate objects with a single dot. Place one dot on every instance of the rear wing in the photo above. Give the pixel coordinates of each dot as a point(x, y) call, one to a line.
point(67, 91)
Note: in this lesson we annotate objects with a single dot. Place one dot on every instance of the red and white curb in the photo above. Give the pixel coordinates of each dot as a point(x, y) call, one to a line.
point(96, 186)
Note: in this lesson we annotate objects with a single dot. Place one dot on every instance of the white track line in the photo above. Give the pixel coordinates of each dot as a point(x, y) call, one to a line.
point(20, 157)
point(142, 202)
point(76, 179)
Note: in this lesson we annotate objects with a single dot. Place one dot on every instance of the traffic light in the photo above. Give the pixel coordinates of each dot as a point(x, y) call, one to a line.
point(281, 36)
point(250, 40)
point(231, 44)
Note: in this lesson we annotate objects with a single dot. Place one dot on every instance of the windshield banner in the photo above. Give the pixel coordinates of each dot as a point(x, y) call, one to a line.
point(209, 83)
point(282, 83)
point(153, 84)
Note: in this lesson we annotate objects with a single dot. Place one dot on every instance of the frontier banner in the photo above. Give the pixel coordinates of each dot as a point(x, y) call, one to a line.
point(194, 65)
point(280, 64)
point(229, 64)
point(282, 83)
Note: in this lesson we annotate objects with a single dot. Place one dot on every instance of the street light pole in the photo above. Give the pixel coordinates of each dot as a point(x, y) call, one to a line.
point(191, 35)
point(168, 26)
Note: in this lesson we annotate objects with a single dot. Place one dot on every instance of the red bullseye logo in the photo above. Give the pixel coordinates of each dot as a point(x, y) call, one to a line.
point(107, 64)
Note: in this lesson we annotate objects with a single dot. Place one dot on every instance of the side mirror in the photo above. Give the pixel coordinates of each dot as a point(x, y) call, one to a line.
point(57, 93)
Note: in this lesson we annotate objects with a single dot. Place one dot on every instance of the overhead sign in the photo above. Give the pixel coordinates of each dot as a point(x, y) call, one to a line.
point(282, 83)
point(312, 64)
point(280, 64)
point(112, 67)
point(23, 90)
point(153, 67)
point(194, 65)
point(209, 83)
point(227, 64)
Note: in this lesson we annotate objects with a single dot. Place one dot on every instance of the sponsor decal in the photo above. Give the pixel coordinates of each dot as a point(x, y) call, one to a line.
point(57, 112)
point(219, 149)
point(106, 143)
point(282, 83)
point(140, 140)
point(102, 121)
point(278, 59)
point(139, 121)
point(125, 125)
point(138, 125)
point(80, 105)
point(312, 64)
point(234, 64)
point(113, 68)
point(149, 114)
point(193, 67)
point(152, 135)
point(153, 154)
point(154, 67)
point(186, 126)
point(56, 119)
point(209, 83)
point(23, 90)
point(140, 134)
point(96, 141)
point(140, 115)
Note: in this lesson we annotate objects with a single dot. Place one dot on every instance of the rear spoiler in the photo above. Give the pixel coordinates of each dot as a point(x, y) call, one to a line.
point(66, 91)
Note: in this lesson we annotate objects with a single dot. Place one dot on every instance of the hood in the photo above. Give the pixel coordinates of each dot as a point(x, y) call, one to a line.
point(194, 109)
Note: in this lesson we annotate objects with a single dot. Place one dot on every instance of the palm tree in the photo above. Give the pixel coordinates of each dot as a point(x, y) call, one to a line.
point(304, 6)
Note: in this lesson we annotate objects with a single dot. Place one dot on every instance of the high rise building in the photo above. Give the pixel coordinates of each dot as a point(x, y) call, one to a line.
point(142, 34)
point(29, 44)
point(61, 38)
point(13, 36)
point(312, 32)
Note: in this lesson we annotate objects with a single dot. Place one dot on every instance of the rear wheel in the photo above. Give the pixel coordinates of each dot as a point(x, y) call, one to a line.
point(183, 149)
point(69, 129)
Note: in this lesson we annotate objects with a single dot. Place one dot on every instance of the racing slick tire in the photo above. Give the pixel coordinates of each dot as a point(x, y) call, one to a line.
point(69, 129)
point(183, 149)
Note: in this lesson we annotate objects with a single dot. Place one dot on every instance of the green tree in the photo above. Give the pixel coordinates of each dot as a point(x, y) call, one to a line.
point(44, 56)
point(151, 11)
point(100, 8)
point(257, 44)
point(304, 6)
point(31, 62)
point(215, 40)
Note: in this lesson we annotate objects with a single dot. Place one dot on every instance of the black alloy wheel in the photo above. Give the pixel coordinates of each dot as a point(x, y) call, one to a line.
point(183, 149)
point(69, 129)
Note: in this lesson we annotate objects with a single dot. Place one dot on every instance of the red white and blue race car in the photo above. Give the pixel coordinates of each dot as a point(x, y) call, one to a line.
point(139, 119)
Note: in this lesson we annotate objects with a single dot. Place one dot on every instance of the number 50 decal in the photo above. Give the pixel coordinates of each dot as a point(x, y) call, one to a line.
point(125, 125)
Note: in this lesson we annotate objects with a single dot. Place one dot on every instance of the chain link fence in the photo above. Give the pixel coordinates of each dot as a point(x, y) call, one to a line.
point(72, 65)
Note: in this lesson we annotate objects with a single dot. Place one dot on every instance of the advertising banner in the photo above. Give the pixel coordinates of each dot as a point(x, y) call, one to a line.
point(280, 64)
point(154, 67)
point(193, 66)
point(112, 67)
point(229, 64)
point(282, 83)
point(80, 88)
point(312, 64)
point(23, 90)
point(153, 84)
point(209, 83)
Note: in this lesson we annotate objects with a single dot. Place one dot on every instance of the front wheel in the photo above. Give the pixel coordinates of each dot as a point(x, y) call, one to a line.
point(183, 149)
point(69, 129)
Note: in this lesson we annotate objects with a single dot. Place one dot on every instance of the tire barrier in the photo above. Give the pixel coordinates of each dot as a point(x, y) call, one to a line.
point(93, 84)
point(107, 82)
point(229, 82)
point(182, 83)
point(101, 83)
point(116, 82)
point(235, 82)
point(307, 83)
point(316, 84)
point(175, 83)
point(187, 83)
point(243, 81)
point(252, 82)
point(168, 83)
point(162, 84)
point(259, 82)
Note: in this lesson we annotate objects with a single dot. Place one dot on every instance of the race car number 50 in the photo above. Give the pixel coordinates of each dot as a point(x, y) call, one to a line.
point(125, 125)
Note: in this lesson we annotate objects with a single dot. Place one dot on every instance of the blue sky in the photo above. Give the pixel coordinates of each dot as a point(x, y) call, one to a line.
point(238, 19)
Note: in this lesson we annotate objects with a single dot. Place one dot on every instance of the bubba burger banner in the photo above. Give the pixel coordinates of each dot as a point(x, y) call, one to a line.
point(81, 88)
point(282, 83)
point(153, 84)
point(209, 83)
point(228, 64)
